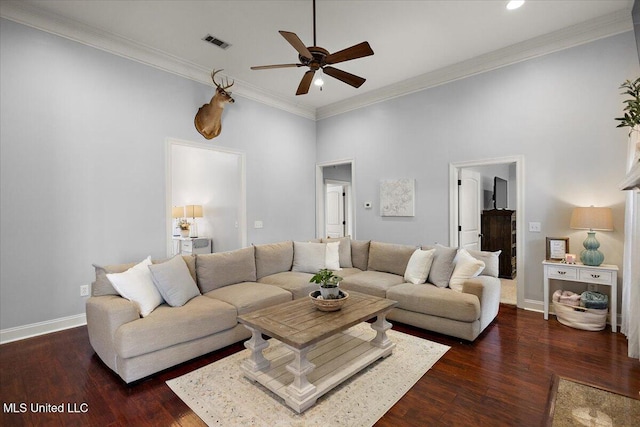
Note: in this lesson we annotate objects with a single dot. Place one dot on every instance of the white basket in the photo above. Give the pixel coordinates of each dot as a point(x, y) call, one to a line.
point(588, 319)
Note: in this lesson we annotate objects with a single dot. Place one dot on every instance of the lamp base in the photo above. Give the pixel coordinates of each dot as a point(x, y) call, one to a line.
point(591, 255)
point(193, 230)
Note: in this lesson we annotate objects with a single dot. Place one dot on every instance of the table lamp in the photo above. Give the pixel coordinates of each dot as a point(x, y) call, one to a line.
point(177, 212)
point(193, 212)
point(591, 219)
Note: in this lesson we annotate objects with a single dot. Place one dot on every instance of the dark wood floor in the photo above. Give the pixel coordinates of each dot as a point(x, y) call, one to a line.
point(501, 379)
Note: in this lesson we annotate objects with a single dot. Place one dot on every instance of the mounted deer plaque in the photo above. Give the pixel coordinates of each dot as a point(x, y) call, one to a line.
point(208, 118)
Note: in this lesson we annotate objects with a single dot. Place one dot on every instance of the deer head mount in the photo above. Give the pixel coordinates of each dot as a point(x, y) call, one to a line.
point(208, 118)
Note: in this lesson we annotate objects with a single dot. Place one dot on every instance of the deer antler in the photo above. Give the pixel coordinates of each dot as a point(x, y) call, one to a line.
point(226, 81)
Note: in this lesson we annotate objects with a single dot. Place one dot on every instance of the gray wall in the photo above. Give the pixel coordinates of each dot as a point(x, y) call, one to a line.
point(556, 110)
point(83, 167)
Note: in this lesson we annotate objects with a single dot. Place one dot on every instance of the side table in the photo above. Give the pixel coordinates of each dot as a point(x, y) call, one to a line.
point(605, 274)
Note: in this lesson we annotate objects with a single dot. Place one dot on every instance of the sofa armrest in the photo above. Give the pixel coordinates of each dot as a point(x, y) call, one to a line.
point(105, 314)
point(487, 289)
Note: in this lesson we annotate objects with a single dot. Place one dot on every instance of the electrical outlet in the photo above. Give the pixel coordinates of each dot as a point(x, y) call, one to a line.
point(84, 290)
point(535, 227)
point(592, 287)
point(258, 224)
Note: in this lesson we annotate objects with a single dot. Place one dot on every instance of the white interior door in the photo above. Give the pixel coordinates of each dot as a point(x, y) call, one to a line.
point(469, 209)
point(335, 217)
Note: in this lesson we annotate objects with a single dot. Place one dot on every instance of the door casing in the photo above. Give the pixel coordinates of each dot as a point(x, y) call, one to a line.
point(454, 173)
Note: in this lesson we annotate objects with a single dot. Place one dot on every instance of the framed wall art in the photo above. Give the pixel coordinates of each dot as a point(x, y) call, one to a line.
point(557, 248)
point(397, 197)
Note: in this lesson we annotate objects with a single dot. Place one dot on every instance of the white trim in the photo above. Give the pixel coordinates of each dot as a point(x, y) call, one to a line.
point(585, 32)
point(454, 168)
point(320, 190)
point(242, 220)
point(41, 328)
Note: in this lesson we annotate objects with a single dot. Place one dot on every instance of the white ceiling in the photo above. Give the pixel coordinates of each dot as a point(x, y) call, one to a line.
point(416, 43)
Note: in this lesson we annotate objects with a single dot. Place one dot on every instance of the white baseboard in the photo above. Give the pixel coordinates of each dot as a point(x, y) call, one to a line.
point(41, 328)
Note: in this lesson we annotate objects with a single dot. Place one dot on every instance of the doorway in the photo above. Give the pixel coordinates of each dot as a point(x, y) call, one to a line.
point(335, 199)
point(459, 212)
point(211, 177)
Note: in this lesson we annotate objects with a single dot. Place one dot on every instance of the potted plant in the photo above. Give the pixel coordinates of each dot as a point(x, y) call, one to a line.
point(328, 283)
point(631, 115)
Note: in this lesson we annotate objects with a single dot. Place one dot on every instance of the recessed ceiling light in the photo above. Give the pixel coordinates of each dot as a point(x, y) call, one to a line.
point(514, 4)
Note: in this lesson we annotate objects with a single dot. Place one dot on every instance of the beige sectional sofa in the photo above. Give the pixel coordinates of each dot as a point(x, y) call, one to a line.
point(237, 282)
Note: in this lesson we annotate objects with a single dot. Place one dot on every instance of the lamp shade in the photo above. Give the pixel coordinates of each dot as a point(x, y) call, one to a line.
point(592, 218)
point(193, 211)
point(177, 211)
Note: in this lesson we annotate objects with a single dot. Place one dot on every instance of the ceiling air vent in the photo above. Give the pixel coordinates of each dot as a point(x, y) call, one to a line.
point(216, 41)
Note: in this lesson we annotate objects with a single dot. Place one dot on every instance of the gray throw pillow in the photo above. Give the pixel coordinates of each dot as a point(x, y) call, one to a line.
point(309, 257)
point(442, 265)
point(174, 281)
point(344, 250)
point(491, 262)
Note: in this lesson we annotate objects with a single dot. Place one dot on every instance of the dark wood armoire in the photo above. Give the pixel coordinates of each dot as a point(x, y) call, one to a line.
point(499, 234)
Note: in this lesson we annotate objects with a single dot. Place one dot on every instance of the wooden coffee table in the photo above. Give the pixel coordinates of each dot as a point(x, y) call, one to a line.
point(302, 328)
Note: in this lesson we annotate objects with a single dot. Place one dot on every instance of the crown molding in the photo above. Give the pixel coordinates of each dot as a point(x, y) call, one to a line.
point(605, 26)
point(32, 16)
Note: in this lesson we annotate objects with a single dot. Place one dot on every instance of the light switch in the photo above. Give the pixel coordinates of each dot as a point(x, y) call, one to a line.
point(257, 224)
point(535, 227)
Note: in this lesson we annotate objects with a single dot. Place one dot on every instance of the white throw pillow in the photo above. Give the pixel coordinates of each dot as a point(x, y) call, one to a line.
point(173, 280)
point(309, 257)
point(332, 256)
point(419, 266)
point(465, 268)
point(136, 285)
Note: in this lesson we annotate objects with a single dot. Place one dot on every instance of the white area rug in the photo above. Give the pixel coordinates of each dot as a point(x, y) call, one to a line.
point(220, 395)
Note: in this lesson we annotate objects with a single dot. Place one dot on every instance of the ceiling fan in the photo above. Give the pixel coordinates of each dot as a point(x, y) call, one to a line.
point(317, 58)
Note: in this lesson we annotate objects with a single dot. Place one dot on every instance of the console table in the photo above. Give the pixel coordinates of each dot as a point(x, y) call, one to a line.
point(605, 274)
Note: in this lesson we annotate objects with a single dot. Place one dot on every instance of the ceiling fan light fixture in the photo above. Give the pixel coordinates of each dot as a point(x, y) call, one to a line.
point(318, 82)
point(514, 4)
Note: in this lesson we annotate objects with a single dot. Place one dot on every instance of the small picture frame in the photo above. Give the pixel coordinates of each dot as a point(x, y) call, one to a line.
point(557, 248)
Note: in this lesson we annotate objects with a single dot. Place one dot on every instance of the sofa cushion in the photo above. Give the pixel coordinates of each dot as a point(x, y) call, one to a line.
point(436, 301)
point(466, 267)
point(174, 282)
point(442, 265)
point(360, 253)
point(102, 286)
point(309, 257)
point(344, 250)
point(136, 285)
point(273, 258)
point(225, 268)
point(491, 262)
point(346, 272)
point(295, 282)
point(374, 283)
point(167, 326)
point(419, 266)
point(250, 296)
point(389, 257)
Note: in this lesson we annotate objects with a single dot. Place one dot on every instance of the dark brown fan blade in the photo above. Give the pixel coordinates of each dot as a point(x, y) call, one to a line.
point(353, 52)
point(268, 67)
point(305, 83)
point(348, 78)
point(297, 44)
